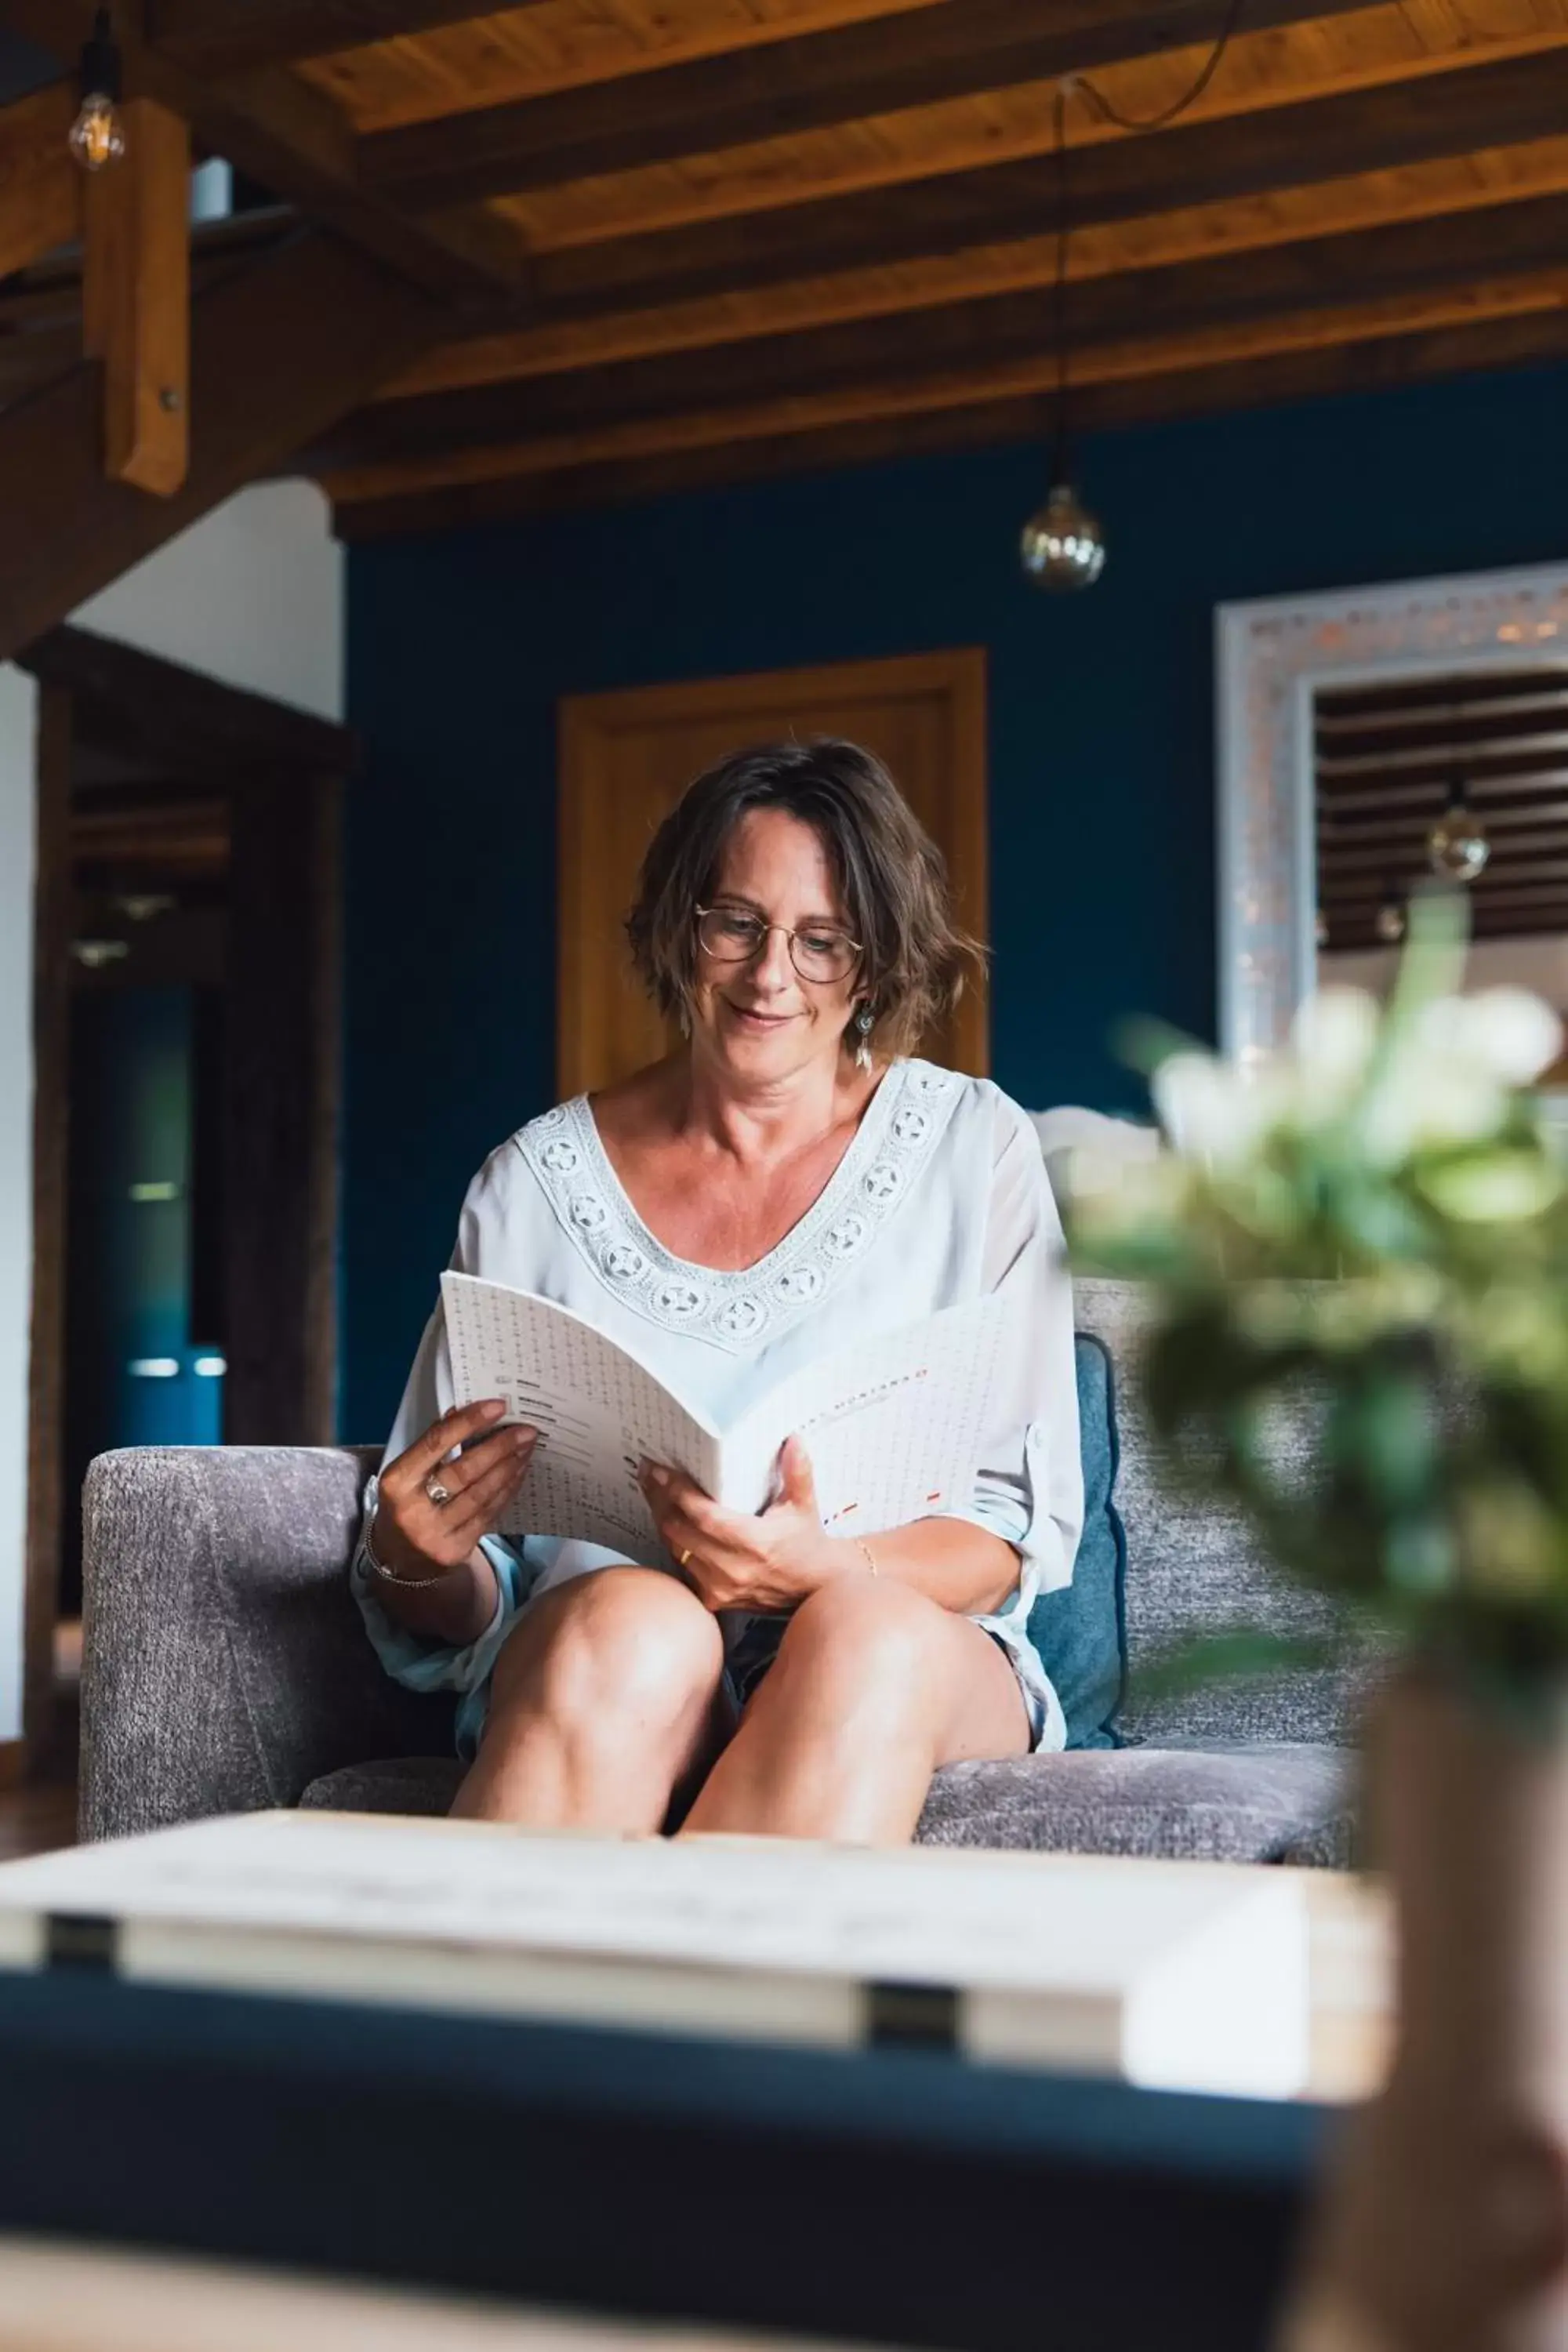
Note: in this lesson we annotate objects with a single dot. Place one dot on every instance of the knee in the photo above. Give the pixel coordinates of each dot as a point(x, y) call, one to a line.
point(867, 1634)
point(630, 1646)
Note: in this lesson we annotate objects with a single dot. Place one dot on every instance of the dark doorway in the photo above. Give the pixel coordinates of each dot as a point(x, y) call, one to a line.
point(187, 1092)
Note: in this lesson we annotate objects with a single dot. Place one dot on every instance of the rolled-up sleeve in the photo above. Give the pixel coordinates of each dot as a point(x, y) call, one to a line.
point(1029, 1490)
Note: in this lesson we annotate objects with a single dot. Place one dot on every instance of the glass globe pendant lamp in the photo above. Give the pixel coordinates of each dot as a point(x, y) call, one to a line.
point(98, 135)
point(1390, 920)
point(1061, 545)
point(1458, 846)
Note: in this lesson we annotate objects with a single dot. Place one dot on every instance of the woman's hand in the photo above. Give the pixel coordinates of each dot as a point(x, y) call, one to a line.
point(412, 1535)
point(736, 1562)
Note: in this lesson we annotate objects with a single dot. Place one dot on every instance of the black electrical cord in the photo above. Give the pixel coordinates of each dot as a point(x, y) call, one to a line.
point(1059, 467)
point(1190, 97)
point(1111, 115)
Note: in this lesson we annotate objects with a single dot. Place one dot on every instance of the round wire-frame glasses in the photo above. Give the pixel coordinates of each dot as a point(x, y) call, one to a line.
point(730, 935)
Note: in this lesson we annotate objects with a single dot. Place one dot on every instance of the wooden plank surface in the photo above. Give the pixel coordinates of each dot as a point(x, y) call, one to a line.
point(41, 184)
point(1307, 286)
point(512, 483)
point(833, 75)
point(219, 36)
point(1424, 192)
point(88, 2298)
point(1284, 146)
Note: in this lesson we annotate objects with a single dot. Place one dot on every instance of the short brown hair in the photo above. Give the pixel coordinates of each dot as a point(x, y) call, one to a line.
point(890, 874)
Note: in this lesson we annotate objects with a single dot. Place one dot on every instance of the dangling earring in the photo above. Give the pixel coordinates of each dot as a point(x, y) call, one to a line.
point(865, 1022)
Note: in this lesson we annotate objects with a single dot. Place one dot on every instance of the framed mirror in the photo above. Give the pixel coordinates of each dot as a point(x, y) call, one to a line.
point(1349, 724)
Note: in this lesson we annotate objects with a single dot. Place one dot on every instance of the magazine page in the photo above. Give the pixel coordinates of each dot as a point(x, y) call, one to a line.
point(894, 1424)
point(597, 1409)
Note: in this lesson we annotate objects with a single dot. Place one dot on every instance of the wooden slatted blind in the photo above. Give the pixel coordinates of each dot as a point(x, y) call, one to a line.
point(1388, 758)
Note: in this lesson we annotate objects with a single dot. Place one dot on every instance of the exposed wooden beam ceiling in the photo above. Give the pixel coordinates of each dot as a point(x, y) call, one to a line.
point(278, 350)
point(525, 480)
point(288, 136)
point(226, 36)
point(40, 187)
point(978, 337)
point(1487, 106)
point(682, 241)
point(781, 88)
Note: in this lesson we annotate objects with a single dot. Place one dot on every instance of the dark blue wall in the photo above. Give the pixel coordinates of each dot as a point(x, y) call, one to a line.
point(1101, 738)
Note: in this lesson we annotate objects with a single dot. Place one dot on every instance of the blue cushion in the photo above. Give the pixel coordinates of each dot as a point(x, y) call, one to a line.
point(1080, 1631)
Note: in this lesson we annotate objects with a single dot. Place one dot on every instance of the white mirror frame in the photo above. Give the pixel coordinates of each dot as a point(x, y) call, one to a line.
point(1272, 655)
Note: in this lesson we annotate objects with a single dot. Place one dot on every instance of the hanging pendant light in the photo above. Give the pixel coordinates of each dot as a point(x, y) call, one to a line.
point(1062, 545)
point(97, 135)
point(1391, 921)
point(1458, 846)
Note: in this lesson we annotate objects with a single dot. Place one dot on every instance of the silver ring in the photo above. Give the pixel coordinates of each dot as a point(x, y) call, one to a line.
point(440, 1495)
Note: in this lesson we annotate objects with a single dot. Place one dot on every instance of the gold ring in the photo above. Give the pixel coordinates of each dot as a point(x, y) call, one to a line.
point(684, 1557)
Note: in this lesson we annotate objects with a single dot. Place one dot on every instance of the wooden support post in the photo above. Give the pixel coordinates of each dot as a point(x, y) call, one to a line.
point(47, 1499)
point(136, 299)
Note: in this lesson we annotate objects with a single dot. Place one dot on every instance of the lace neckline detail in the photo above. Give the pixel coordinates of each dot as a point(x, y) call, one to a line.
point(737, 1310)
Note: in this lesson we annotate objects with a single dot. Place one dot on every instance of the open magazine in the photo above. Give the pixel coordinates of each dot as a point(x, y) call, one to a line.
point(893, 1424)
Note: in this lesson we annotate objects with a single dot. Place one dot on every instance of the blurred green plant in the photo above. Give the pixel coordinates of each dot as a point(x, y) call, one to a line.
point(1370, 1227)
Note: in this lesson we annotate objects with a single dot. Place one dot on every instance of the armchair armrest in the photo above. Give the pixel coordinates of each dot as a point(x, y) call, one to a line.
point(224, 1662)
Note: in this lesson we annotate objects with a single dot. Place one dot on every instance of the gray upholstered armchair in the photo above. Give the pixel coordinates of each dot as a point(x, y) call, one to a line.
point(224, 1663)
point(225, 1669)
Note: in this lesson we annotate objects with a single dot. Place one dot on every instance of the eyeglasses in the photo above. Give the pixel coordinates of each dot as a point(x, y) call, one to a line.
point(730, 935)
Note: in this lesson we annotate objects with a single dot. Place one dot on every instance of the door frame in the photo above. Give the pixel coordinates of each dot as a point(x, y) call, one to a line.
point(98, 689)
point(589, 723)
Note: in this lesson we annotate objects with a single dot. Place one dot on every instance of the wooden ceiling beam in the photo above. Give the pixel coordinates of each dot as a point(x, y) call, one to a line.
point(777, 88)
point(1500, 103)
point(1346, 866)
point(1512, 778)
point(179, 721)
point(286, 135)
point(226, 36)
point(513, 493)
point(278, 351)
point(1177, 300)
point(41, 186)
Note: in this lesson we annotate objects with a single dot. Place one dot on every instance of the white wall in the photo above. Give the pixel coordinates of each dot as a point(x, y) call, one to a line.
point(253, 594)
point(18, 729)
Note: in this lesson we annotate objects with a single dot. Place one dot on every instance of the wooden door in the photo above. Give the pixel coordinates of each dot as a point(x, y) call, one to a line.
point(625, 759)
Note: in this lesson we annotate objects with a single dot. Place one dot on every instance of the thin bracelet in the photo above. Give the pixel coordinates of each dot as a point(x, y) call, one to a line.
point(390, 1576)
point(865, 1552)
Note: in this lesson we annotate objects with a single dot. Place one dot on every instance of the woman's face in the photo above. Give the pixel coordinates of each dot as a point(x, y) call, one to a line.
point(759, 1018)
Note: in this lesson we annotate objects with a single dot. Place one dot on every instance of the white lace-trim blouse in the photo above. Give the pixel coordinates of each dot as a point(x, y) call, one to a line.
point(940, 1197)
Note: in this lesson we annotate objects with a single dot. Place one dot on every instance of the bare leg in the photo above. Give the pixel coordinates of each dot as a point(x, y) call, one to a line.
point(601, 1702)
point(874, 1687)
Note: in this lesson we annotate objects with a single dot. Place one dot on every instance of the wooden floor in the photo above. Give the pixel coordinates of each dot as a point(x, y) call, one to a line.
point(37, 1819)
